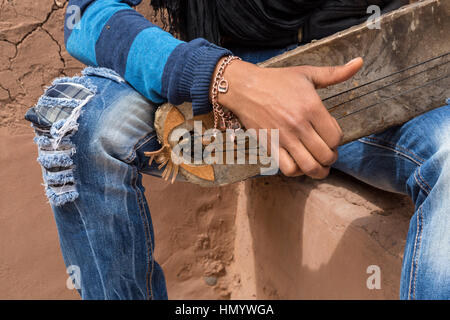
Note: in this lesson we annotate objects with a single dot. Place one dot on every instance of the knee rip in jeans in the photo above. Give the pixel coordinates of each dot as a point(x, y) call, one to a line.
point(55, 120)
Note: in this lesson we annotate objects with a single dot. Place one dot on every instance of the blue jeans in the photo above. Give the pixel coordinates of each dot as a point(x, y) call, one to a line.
point(92, 132)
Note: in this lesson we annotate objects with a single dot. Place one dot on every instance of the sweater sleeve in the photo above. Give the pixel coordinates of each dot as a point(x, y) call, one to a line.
point(111, 34)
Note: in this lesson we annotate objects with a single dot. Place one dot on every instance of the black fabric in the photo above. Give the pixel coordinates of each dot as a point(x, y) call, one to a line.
point(265, 23)
point(338, 15)
point(190, 19)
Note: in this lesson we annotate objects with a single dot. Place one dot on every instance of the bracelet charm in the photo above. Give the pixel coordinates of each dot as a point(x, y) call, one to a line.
point(226, 118)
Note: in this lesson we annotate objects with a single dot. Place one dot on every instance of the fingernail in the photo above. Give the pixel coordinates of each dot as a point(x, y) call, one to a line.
point(351, 61)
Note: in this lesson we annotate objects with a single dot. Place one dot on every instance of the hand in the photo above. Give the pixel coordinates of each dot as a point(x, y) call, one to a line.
point(286, 99)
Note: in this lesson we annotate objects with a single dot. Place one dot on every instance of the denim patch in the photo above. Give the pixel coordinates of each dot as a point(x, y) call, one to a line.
point(55, 119)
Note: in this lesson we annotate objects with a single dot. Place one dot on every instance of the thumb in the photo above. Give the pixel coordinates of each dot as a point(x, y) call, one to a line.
point(326, 76)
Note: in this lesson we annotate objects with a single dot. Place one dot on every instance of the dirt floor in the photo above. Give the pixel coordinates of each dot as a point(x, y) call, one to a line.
point(271, 238)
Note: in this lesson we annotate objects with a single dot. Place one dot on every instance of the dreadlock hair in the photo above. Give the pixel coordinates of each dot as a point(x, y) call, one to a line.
point(189, 19)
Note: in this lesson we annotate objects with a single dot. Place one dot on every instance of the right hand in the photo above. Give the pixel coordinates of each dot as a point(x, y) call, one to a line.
point(286, 99)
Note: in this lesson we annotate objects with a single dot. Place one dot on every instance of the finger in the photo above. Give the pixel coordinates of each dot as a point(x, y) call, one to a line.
point(328, 130)
point(287, 165)
point(325, 125)
point(326, 76)
point(338, 128)
point(305, 161)
point(316, 146)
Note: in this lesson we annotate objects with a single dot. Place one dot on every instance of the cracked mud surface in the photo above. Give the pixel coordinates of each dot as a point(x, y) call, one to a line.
point(32, 54)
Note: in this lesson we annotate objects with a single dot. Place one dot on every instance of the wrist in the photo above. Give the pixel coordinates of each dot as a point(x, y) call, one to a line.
point(223, 117)
point(235, 74)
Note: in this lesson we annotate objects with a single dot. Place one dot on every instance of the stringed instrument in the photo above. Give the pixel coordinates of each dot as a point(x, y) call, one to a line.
point(406, 73)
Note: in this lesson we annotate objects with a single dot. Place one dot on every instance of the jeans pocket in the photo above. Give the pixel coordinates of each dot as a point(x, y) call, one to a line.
point(55, 120)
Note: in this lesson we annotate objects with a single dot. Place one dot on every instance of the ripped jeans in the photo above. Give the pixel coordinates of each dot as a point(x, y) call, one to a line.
point(92, 132)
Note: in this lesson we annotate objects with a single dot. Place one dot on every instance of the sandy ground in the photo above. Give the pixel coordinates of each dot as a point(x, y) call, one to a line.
point(269, 238)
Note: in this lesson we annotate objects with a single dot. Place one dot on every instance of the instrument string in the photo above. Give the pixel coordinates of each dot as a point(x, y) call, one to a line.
point(387, 76)
point(388, 85)
point(395, 96)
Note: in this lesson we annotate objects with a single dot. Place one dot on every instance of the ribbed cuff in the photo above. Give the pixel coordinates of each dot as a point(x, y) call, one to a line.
point(188, 74)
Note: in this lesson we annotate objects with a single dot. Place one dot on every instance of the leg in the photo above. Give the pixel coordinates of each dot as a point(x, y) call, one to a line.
point(91, 152)
point(413, 159)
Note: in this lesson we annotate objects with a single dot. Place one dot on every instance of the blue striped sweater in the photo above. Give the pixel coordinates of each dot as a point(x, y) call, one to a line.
point(111, 34)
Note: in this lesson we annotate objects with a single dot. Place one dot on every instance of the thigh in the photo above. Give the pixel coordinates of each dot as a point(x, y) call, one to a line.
point(389, 159)
point(89, 129)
